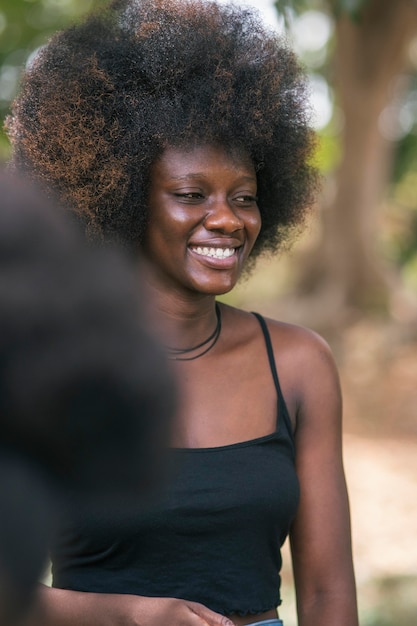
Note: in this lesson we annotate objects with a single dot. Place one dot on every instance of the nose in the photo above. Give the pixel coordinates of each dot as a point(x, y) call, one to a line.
point(223, 217)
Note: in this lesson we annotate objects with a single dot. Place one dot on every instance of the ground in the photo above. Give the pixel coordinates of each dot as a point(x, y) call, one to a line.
point(379, 378)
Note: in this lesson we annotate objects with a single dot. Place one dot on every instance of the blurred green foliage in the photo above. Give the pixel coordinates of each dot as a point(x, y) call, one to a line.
point(352, 7)
point(401, 207)
point(25, 25)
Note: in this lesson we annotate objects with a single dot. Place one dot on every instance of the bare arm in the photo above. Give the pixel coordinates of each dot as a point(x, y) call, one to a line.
point(59, 607)
point(320, 536)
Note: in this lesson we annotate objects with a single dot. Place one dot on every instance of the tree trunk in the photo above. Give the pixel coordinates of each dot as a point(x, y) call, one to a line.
point(371, 53)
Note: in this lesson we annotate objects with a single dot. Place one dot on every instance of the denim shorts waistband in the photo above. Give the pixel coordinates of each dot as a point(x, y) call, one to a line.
point(268, 622)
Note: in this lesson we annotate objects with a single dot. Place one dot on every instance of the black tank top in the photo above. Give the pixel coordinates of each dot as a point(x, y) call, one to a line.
point(213, 536)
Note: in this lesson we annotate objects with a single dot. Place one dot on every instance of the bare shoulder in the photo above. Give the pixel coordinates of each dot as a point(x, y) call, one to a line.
point(299, 345)
point(304, 361)
point(307, 369)
point(291, 343)
point(301, 355)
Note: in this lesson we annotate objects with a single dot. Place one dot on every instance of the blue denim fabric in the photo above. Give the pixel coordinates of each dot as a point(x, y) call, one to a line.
point(268, 622)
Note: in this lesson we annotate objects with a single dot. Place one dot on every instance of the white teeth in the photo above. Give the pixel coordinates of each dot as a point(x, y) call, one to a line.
point(218, 253)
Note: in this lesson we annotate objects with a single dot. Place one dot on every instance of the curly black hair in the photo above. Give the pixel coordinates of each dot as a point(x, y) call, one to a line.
point(105, 97)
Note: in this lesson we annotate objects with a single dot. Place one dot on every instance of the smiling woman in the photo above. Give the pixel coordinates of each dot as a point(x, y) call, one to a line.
point(203, 217)
point(180, 129)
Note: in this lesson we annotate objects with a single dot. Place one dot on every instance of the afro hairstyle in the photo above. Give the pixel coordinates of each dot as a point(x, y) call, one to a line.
point(104, 98)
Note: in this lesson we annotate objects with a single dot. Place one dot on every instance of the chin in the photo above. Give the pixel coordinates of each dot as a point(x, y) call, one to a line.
point(216, 285)
point(220, 292)
point(215, 290)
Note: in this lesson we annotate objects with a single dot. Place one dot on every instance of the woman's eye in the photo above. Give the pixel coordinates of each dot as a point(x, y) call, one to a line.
point(248, 200)
point(190, 195)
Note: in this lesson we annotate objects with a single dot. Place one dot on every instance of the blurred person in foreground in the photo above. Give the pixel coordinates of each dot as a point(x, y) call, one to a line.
point(180, 128)
point(85, 395)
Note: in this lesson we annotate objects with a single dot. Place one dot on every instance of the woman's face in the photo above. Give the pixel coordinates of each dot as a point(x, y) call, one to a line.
point(204, 218)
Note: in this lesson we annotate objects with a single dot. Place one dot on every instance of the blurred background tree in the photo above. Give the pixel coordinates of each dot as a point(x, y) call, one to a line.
point(357, 271)
point(367, 62)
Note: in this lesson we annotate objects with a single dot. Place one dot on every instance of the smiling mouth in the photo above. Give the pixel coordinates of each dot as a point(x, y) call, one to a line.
point(216, 253)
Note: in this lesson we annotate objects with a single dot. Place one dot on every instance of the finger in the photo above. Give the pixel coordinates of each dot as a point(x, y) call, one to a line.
point(212, 618)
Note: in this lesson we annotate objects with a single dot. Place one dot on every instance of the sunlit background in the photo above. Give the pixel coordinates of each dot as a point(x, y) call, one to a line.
point(353, 274)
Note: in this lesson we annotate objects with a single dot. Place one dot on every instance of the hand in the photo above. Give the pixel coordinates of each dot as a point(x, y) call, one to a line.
point(173, 612)
point(62, 607)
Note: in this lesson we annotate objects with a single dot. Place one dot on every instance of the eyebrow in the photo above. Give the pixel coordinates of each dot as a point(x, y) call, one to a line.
point(191, 175)
point(202, 175)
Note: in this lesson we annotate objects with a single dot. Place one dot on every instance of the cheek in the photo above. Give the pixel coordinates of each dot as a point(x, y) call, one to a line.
point(163, 223)
point(255, 225)
point(171, 218)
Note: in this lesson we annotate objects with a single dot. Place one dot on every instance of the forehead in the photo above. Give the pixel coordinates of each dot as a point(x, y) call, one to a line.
point(177, 162)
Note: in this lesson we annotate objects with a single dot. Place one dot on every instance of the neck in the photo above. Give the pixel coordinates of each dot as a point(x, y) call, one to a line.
point(180, 320)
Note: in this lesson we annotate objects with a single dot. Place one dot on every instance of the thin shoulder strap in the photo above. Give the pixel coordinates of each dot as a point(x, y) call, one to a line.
point(283, 411)
point(270, 352)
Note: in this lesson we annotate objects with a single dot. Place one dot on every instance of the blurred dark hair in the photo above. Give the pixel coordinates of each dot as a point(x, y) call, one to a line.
point(85, 394)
